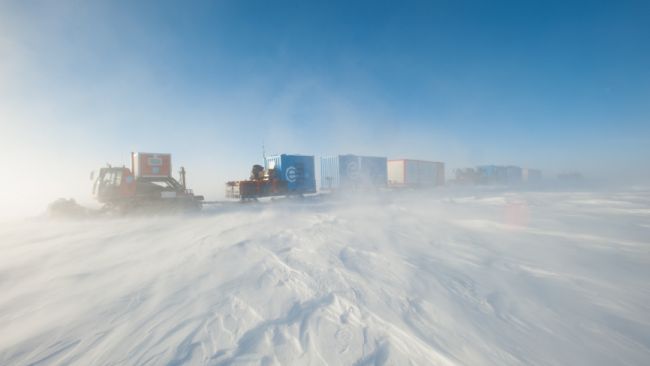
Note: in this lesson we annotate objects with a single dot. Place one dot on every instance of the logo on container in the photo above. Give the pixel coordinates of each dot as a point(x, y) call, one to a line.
point(353, 170)
point(290, 174)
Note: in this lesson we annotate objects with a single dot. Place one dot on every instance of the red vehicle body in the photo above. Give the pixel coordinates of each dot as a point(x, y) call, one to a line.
point(262, 183)
point(152, 186)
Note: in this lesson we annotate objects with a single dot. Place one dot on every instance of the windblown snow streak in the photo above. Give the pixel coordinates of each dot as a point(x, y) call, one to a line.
point(489, 278)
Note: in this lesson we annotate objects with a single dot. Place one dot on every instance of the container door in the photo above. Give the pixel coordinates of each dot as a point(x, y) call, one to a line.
point(329, 173)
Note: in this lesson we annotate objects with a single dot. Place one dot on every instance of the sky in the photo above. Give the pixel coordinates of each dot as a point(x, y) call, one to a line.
point(556, 85)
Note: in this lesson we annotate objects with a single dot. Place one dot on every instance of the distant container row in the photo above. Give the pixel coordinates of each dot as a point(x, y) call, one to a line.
point(295, 174)
point(498, 174)
point(288, 174)
point(359, 172)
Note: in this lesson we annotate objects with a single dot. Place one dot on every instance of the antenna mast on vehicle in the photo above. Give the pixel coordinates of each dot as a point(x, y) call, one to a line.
point(264, 155)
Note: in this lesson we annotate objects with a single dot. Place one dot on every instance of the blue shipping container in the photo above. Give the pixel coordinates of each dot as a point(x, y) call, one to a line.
point(496, 174)
point(487, 174)
point(353, 171)
point(297, 170)
point(492, 174)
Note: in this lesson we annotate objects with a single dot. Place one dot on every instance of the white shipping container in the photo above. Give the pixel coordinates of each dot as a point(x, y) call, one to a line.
point(440, 173)
point(415, 173)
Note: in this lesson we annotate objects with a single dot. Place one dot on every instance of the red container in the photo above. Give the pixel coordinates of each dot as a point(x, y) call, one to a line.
point(148, 165)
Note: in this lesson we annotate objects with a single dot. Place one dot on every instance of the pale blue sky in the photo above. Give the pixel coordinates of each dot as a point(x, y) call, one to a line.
point(559, 85)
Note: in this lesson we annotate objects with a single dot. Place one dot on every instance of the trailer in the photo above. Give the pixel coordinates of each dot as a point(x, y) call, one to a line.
point(281, 175)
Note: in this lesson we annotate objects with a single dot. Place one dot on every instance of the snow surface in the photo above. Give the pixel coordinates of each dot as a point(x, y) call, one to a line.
point(435, 278)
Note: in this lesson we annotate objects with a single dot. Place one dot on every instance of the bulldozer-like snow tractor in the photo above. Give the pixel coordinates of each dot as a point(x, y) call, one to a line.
point(148, 185)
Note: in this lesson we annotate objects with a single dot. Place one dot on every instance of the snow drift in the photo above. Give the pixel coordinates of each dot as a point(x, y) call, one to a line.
point(429, 279)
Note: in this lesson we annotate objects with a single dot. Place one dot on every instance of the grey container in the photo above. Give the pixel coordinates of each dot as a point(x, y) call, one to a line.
point(513, 174)
point(353, 172)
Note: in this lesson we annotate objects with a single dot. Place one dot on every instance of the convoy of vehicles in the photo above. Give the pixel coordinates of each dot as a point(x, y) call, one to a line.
point(149, 185)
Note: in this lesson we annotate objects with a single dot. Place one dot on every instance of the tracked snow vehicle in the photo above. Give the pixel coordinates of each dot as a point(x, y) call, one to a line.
point(147, 186)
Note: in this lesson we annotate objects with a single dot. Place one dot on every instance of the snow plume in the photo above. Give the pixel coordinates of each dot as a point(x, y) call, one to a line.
point(442, 278)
